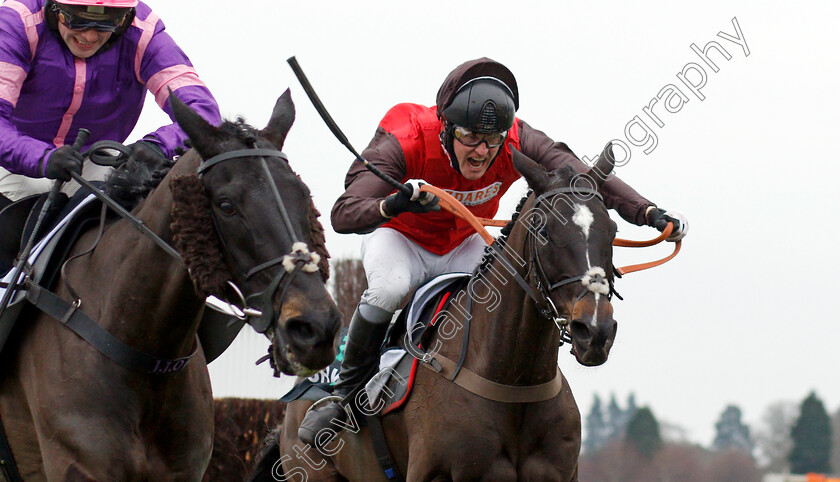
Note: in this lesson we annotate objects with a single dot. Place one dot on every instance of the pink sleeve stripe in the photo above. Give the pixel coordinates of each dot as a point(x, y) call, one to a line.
point(30, 22)
point(75, 103)
point(173, 78)
point(11, 79)
point(148, 28)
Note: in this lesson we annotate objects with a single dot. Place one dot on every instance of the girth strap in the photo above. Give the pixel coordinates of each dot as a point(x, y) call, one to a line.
point(381, 450)
point(75, 319)
point(475, 383)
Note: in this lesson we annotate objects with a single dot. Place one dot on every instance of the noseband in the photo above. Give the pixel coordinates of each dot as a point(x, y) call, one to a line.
point(258, 308)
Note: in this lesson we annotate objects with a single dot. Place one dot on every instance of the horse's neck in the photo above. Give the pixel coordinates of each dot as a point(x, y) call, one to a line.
point(509, 341)
point(151, 299)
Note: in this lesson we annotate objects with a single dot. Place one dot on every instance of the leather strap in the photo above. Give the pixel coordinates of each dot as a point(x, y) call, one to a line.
point(475, 383)
point(448, 202)
point(381, 450)
point(75, 319)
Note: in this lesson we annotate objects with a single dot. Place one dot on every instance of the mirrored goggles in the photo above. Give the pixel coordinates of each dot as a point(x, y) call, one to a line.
point(75, 21)
point(473, 139)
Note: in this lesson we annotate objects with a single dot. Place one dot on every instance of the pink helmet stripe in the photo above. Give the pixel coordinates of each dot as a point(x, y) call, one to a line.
point(11, 79)
point(148, 28)
point(30, 22)
point(102, 3)
point(173, 78)
point(78, 94)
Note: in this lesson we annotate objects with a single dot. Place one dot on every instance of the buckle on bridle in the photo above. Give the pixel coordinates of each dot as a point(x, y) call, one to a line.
point(228, 308)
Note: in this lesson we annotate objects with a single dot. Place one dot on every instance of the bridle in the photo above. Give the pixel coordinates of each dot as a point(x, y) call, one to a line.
point(594, 280)
point(257, 309)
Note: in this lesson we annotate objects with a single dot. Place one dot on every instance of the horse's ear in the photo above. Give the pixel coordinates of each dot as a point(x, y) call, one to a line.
point(600, 172)
point(204, 137)
point(534, 173)
point(281, 120)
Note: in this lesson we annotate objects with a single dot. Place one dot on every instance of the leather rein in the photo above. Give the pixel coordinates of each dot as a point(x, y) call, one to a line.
point(448, 202)
point(260, 318)
point(592, 281)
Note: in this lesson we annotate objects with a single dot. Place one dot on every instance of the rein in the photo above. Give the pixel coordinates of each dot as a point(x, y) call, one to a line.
point(75, 319)
point(448, 202)
point(300, 259)
point(594, 281)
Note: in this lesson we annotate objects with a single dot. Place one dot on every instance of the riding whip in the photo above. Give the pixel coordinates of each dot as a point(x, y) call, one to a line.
point(316, 102)
point(81, 138)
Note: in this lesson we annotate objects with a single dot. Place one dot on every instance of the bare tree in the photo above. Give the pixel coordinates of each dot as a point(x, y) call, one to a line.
point(349, 282)
point(734, 464)
point(773, 437)
point(680, 462)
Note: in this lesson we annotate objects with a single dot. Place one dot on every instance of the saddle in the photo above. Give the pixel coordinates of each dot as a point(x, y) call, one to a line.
point(18, 221)
point(216, 331)
point(390, 387)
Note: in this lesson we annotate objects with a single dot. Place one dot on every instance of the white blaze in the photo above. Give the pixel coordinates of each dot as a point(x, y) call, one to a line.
point(583, 217)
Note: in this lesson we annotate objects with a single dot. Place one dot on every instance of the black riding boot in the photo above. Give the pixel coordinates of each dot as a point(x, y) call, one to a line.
point(361, 354)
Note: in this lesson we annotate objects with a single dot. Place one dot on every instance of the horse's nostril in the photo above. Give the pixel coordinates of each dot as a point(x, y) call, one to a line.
point(580, 331)
point(301, 331)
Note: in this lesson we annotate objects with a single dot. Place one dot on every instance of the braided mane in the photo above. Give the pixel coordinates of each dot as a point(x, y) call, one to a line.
point(134, 180)
point(195, 234)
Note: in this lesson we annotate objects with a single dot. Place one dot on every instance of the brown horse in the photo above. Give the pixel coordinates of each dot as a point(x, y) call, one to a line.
point(241, 217)
point(510, 414)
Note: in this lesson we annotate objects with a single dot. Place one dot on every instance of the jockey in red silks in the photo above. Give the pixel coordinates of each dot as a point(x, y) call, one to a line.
point(463, 145)
point(71, 64)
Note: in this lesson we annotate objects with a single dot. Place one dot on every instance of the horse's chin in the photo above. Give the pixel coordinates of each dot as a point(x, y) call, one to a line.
point(286, 361)
point(301, 359)
point(591, 356)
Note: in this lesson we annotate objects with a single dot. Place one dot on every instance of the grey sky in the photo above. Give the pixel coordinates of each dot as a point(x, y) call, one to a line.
point(744, 314)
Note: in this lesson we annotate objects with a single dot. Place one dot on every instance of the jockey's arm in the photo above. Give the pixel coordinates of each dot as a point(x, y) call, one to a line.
point(628, 203)
point(166, 68)
point(19, 154)
point(358, 209)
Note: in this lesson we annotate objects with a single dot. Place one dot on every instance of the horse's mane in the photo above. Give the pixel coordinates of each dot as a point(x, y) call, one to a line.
point(194, 230)
point(133, 181)
point(490, 251)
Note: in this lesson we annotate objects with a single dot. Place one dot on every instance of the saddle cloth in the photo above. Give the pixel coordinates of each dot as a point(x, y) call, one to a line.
point(39, 257)
point(390, 387)
point(216, 331)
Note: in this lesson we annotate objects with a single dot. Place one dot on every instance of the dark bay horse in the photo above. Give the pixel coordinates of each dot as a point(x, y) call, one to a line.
point(525, 424)
point(72, 413)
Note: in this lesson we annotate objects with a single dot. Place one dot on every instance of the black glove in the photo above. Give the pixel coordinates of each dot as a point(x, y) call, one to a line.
point(659, 219)
point(418, 202)
point(62, 162)
point(147, 153)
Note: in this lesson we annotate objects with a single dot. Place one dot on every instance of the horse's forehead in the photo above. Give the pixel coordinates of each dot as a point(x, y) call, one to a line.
point(583, 218)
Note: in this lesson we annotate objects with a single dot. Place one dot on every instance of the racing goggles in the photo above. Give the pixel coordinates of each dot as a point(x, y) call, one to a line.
point(101, 19)
point(473, 139)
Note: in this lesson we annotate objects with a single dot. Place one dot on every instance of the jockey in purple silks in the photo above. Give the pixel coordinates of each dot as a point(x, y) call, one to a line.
point(71, 64)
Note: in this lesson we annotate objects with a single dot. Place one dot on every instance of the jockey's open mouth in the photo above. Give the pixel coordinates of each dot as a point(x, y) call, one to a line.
point(477, 163)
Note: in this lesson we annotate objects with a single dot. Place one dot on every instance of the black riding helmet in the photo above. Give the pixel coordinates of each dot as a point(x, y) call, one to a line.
point(479, 95)
point(482, 105)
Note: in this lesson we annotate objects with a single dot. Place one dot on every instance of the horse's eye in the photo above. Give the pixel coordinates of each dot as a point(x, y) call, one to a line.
point(226, 208)
point(544, 233)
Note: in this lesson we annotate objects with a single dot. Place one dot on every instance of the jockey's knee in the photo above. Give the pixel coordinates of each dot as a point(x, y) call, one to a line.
point(375, 314)
point(386, 298)
point(18, 186)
